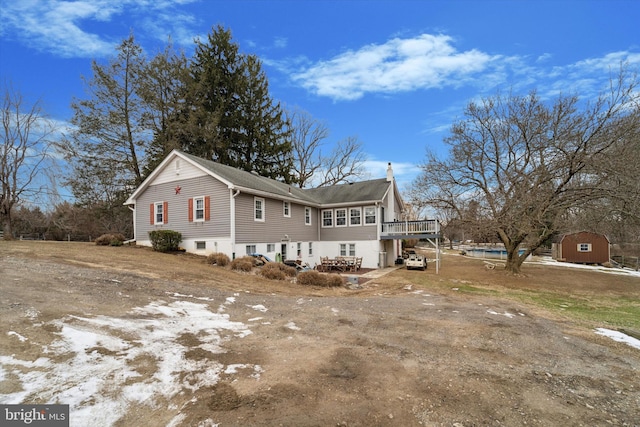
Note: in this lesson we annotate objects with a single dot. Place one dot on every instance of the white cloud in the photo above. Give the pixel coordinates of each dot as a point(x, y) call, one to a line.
point(60, 27)
point(586, 78)
point(400, 65)
point(280, 42)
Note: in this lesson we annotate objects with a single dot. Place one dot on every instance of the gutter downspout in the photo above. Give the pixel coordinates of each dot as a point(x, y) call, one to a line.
point(135, 236)
point(233, 220)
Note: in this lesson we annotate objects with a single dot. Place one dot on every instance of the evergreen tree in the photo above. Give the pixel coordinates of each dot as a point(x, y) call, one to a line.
point(228, 115)
point(263, 139)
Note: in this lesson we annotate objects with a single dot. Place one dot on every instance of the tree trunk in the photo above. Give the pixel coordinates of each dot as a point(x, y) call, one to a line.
point(513, 261)
point(6, 229)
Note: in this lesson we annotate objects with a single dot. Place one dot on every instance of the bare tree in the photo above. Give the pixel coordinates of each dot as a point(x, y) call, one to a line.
point(110, 136)
point(525, 163)
point(345, 161)
point(162, 89)
point(308, 136)
point(24, 150)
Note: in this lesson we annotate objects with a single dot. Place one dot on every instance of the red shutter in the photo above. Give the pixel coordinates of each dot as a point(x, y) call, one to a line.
point(190, 210)
point(153, 213)
point(165, 212)
point(207, 208)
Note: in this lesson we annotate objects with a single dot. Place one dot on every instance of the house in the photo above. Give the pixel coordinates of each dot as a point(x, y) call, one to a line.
point(218, 208)
point(583, 247)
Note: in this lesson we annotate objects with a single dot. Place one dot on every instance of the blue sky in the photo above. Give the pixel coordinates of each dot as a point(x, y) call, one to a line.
point(394, 74)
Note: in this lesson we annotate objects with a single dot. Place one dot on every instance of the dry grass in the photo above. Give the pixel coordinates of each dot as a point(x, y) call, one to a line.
point(593, 298)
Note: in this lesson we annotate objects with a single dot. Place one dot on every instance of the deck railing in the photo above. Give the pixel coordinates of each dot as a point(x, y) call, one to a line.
point(427, 226)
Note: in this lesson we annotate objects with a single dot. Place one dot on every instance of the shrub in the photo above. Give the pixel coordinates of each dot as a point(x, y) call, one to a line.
point(273, 273)
point(333, 280)
point(244, 263)
point(165, 240)
point(110, 239)
point(311, 278)
point(277, 271)
point(219, 259)
point(314, 278)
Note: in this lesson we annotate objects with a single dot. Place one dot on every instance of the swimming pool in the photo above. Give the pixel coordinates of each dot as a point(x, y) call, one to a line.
point(491, 253)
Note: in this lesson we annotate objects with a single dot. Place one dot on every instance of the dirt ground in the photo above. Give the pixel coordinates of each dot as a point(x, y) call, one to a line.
point(396, 352)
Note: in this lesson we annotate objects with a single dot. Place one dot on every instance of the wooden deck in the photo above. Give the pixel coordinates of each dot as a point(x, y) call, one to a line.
point(424, 229)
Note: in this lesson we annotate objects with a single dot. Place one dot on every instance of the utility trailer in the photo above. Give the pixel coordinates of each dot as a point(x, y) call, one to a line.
point(415, 261)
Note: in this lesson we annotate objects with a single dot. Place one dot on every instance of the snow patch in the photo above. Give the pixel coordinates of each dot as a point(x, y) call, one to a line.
point(619, 336)
point(506, 314)
point(178, 295)
point(259, 307)
point(98, 364)
point(20, 337)
point(292, 326)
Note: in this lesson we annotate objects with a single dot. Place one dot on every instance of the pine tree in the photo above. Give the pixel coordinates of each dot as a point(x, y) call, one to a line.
point(228, 115)
point(263, 140)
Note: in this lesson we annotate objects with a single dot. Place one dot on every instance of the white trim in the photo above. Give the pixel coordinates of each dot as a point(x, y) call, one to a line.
point(147, 182)
point(322, 218)
point(155, 213)
point(346, 219)
point(262, 209)
point(307, 209)
point(589, 248)
point(286, 209)
point(195, 210)
point(359, 209)
point(375, 215)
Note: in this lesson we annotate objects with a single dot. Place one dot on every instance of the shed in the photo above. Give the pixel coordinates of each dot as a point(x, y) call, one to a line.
point(583, 247)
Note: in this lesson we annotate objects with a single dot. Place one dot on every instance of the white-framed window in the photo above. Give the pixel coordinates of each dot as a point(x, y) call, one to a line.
point(271, 247)
point(307, 215)
point(159, 216)
point(355, 216)
point(310, 248)
point(258, 209)
point(584, 247)
point(343, 249)
point(347, 249)
point(251, 249)
point(341, 217)
point(198, 208)
point(327, 218)
point(286, 209)
point(370, 215)
point(201, 245)
point(299, 249)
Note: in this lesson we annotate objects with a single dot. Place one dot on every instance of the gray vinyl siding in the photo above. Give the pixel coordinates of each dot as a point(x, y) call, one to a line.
point(276, 225)
point(178, 208)
point(351, 233)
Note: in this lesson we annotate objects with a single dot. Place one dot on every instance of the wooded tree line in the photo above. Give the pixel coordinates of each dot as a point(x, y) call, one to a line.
point(215, 104)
